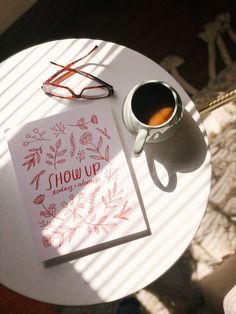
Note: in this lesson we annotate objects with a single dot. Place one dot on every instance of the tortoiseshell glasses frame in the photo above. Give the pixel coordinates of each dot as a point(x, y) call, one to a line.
point(53, 87)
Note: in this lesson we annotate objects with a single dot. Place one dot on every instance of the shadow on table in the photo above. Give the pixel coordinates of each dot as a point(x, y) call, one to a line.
point(184, 152)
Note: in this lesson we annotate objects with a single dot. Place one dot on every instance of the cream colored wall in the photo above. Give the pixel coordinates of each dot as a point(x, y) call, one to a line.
point(11, 10)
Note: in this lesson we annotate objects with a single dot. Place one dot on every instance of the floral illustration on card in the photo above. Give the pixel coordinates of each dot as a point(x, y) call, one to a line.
point(55, 153)
point(58, 129)
point(83, 124)
point(99, 224)
point(72, 141)
point(74, 205)
point(56, 237)
point(78, 191)
point(36, 179)
point(124, 212)
point(113, 197)
point(111, 174)
point(47, 211)
point(104, 132)
point(84, 214)
point(81, 155)
point(35, 136)
point(87, 138)
point(52, 235)
point(33, 157)
point(92, 199)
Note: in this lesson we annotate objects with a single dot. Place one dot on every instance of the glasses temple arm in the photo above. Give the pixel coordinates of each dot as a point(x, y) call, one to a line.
point(77, 60)
point(67, 67)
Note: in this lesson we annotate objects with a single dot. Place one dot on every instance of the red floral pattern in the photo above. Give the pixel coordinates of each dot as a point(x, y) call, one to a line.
point(77, 210)
point(86, 138)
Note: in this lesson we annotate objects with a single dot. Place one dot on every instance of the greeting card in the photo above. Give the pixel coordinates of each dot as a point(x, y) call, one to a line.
point(75, 183)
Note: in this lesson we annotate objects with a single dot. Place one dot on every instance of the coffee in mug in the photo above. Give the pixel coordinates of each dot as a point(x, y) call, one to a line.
point(153, 104)
point(152, 110)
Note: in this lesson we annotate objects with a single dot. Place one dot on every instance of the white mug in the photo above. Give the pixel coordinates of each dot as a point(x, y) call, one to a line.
point(152, 110)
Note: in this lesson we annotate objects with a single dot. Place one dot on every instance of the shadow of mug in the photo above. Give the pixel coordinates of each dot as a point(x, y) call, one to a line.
point(184, 152)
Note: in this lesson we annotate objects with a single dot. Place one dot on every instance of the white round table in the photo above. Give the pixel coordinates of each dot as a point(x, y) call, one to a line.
point(172, 179)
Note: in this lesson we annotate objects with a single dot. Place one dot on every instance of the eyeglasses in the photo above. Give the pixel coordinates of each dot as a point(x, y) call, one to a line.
point(53, 87)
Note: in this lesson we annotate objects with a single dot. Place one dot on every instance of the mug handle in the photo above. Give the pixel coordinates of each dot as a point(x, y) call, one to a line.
point(140, 141)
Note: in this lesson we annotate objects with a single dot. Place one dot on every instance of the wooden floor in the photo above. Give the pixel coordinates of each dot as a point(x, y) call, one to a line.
point(13, 303)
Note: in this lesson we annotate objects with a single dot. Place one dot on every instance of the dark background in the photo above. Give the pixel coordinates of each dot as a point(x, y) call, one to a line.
point(156, 28)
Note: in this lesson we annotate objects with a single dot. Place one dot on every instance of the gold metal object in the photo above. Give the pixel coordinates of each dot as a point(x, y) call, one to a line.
point(218, 102)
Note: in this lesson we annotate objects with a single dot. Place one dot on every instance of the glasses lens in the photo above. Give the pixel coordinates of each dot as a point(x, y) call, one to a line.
point(95, 92)
point(59, 91)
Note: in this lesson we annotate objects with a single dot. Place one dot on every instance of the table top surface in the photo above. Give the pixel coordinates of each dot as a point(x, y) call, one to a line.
point(172, 179)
